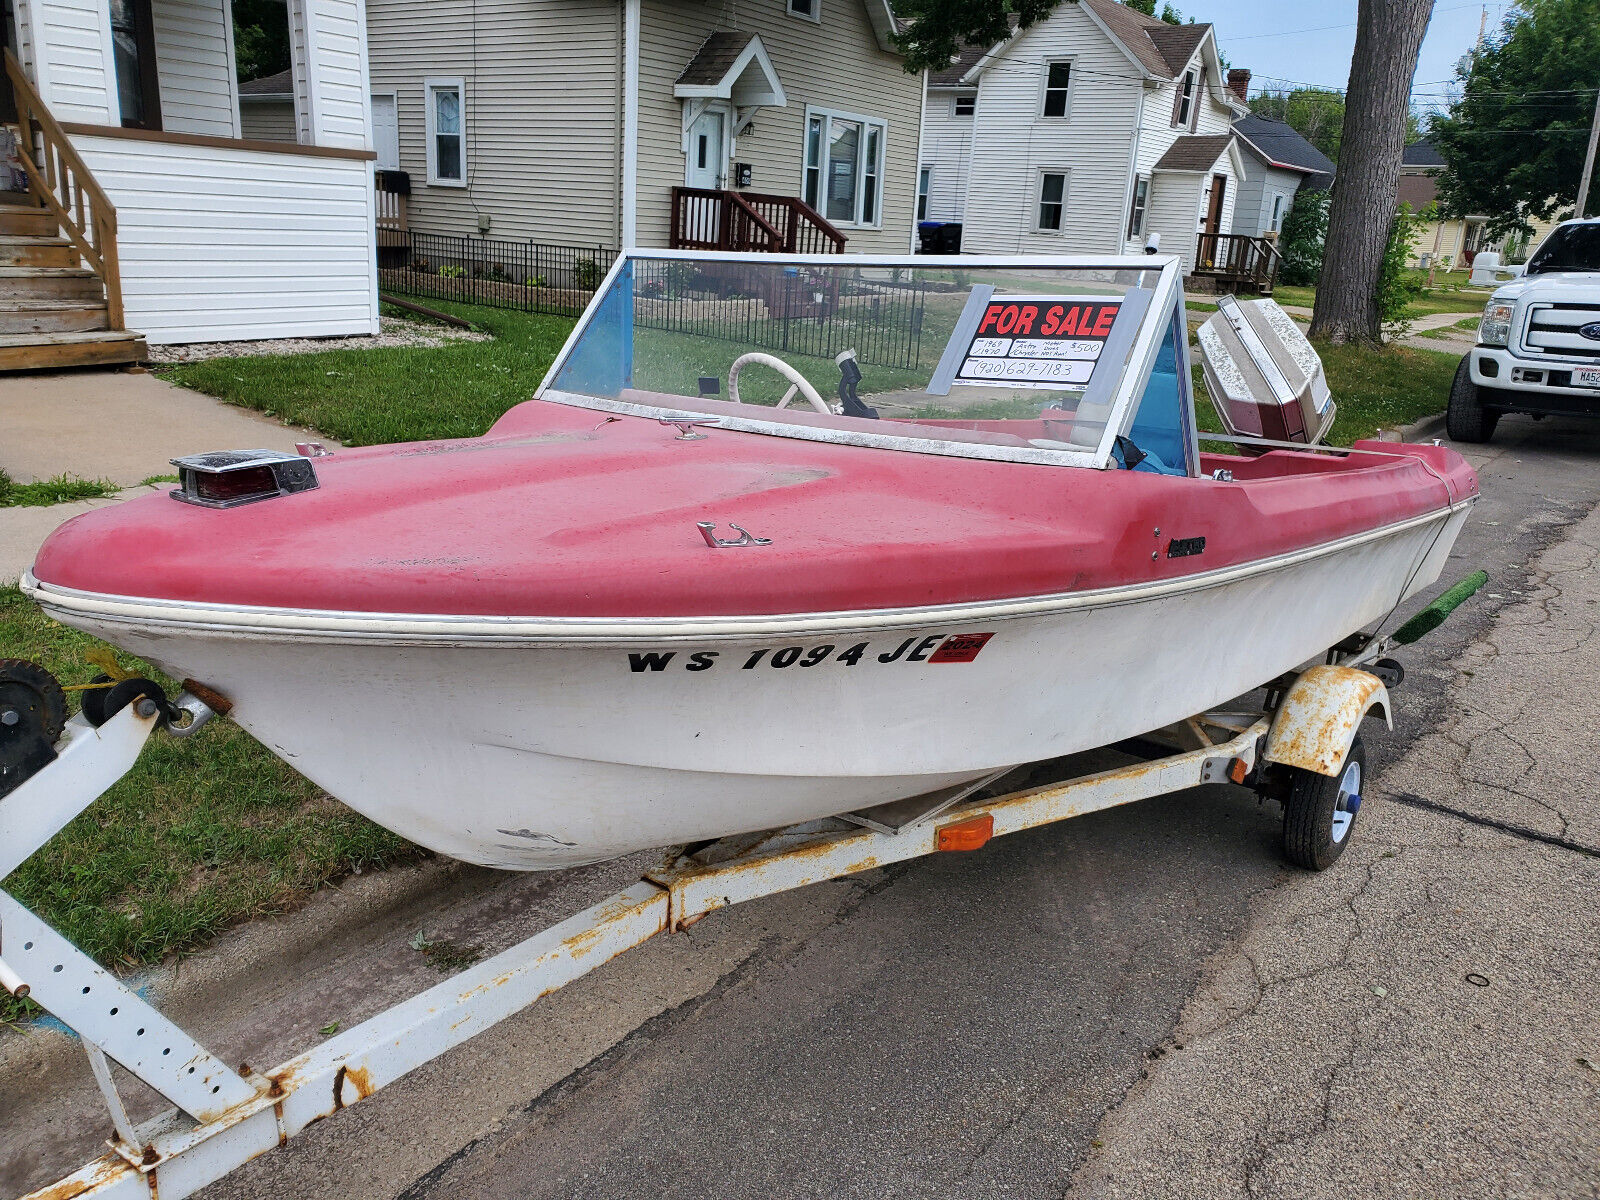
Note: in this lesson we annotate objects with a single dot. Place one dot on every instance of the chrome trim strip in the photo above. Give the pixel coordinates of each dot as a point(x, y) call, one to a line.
point(414, 629)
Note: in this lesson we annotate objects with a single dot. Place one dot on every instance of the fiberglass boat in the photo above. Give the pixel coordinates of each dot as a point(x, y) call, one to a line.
point(660, 602)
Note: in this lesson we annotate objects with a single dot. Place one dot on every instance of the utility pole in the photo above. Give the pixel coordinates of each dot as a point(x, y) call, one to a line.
point(1588, 160)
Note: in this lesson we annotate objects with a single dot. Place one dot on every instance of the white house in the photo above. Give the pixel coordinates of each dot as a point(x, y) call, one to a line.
point(1278, 162)
point(1089, 131)
point(145, 200)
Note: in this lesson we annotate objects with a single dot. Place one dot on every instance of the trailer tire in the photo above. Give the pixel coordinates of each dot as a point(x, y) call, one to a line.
point(1466, 419)
point(1318, 816)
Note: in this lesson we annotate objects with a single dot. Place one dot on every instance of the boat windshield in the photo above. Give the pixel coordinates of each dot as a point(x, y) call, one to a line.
point(1020, 359)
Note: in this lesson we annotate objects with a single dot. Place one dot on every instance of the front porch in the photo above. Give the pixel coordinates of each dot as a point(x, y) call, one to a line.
point(723, 219)
point(127, 119)
point(1234, 262)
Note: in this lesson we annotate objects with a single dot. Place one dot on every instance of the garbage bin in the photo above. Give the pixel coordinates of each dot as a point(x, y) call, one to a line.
point(939, 237)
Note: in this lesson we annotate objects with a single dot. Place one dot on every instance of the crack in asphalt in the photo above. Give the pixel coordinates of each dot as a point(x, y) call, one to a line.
point(1521, 831)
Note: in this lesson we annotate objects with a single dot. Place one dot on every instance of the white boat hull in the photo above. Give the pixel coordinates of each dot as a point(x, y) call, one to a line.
point(539, 750)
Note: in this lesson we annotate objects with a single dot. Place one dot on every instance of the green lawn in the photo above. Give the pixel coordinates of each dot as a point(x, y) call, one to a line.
point(60, 490)
point(1465, 325)
point(203, 833)
point(1449, 294)
point(367, 397)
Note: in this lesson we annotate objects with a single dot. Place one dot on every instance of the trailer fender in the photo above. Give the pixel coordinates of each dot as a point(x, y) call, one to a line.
point(1320, 715)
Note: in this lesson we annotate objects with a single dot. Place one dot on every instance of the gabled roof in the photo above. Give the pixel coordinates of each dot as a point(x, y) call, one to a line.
point(1195, 153)
point(1279, 144)
point(968, 58)
point(1418, 191)
point(1162, 49)
point(731, 65)
point(268, 85)
point(1421, 154)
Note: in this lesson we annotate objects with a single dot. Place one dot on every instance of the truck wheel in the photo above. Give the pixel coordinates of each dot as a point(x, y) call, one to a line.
point(1467, 420)
point(1319, 812)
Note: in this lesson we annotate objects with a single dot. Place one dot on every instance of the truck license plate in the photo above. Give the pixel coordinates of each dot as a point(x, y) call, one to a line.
point(1587, 377)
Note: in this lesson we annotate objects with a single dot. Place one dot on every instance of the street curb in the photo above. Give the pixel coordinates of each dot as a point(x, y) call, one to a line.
point(1424, 430)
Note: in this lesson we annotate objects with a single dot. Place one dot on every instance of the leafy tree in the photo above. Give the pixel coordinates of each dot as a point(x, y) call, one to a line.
point(1301, 241)
point(1316, 114)
point(260, 37)
point(1513, 143)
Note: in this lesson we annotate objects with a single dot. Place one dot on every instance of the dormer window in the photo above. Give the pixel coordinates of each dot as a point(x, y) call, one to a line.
point(808, 10)
point(1183, 102)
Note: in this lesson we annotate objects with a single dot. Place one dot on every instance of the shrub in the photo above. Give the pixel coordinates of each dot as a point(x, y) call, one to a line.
point(1301, 243)
point(587, 273)
point(1397, 286)
point(450, 271)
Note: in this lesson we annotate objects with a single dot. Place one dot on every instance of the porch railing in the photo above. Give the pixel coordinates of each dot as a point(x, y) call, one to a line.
point(61, 181)
point(721, 219)
point(1237, 258)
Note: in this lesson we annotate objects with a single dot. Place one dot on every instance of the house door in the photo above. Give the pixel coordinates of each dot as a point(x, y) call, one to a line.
point(1207, 252)
point(386, 133)
point(706, 154)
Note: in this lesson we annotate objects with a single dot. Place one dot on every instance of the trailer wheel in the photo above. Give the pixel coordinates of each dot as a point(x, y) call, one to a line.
point(1319, 812)
point(1466, 420)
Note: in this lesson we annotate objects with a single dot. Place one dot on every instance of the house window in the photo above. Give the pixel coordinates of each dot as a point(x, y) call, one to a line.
point(1136, 211)
point(964, 106)
point(1052, 200)
point(446, 121)
point(133, 48)
point(844, 166)
point(924, 182)
point(1183, 103)
point(1057, 77)
point(810, 10)
point(1277, 213)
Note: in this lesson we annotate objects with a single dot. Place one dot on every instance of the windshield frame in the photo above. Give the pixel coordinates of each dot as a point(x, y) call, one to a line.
point(1164, 292)
point(1565, 230)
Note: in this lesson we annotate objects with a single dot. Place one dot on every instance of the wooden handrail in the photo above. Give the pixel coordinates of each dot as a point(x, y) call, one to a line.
point(63, 183)
point(1237, 254)
point(774, 238)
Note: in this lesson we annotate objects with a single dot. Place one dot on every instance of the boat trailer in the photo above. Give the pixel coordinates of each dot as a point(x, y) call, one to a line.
point(1297, 746)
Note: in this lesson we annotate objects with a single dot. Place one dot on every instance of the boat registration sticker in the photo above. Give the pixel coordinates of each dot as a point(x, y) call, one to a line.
point(1038, 342)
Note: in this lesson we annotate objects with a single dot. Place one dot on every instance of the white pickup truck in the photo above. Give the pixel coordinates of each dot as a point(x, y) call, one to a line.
point(1538, 345)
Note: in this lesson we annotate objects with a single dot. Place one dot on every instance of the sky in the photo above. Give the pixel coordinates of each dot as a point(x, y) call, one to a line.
point(1312, 42)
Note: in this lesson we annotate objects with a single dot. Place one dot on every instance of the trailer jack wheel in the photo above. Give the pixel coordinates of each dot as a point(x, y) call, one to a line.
point(1319, 811)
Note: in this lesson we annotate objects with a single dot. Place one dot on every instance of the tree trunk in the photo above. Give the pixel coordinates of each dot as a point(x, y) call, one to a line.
point(1388, 40)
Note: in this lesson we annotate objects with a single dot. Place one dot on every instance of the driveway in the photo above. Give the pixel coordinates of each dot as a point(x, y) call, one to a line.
point(117, 425)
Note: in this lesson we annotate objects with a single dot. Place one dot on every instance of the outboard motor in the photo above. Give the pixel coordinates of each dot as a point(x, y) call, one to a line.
point(1262, 374)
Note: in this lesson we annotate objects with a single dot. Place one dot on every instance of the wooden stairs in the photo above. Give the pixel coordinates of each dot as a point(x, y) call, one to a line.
point(53, 310)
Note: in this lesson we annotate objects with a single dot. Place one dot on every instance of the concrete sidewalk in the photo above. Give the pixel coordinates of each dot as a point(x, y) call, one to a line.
point(121, 426)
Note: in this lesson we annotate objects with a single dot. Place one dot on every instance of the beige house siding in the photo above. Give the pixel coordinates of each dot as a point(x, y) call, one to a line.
point(835, 64)
point(541, 81)
point(267, 120)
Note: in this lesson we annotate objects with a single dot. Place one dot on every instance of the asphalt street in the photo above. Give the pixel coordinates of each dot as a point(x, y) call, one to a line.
point(1141, 1003)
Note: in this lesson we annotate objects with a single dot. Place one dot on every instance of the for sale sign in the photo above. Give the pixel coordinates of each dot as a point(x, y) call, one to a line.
point(1038, 341)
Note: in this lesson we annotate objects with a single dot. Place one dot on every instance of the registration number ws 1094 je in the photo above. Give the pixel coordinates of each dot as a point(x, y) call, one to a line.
point(934, 648)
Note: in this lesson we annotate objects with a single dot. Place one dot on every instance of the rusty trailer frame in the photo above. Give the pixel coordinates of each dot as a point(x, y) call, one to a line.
point(222, 1118)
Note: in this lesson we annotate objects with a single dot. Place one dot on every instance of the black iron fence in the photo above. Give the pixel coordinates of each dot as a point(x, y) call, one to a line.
point(818, 311)
point(526, 276)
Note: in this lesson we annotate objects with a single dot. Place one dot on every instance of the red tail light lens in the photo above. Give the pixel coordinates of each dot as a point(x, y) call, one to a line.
point(225, 478)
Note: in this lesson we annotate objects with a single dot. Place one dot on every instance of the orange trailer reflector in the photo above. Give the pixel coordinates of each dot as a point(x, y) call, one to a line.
point(1238, 769)
point(971, 834)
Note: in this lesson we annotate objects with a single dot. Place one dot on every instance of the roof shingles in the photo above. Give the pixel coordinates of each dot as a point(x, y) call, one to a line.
point(1197, 152)
point(712, 62)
